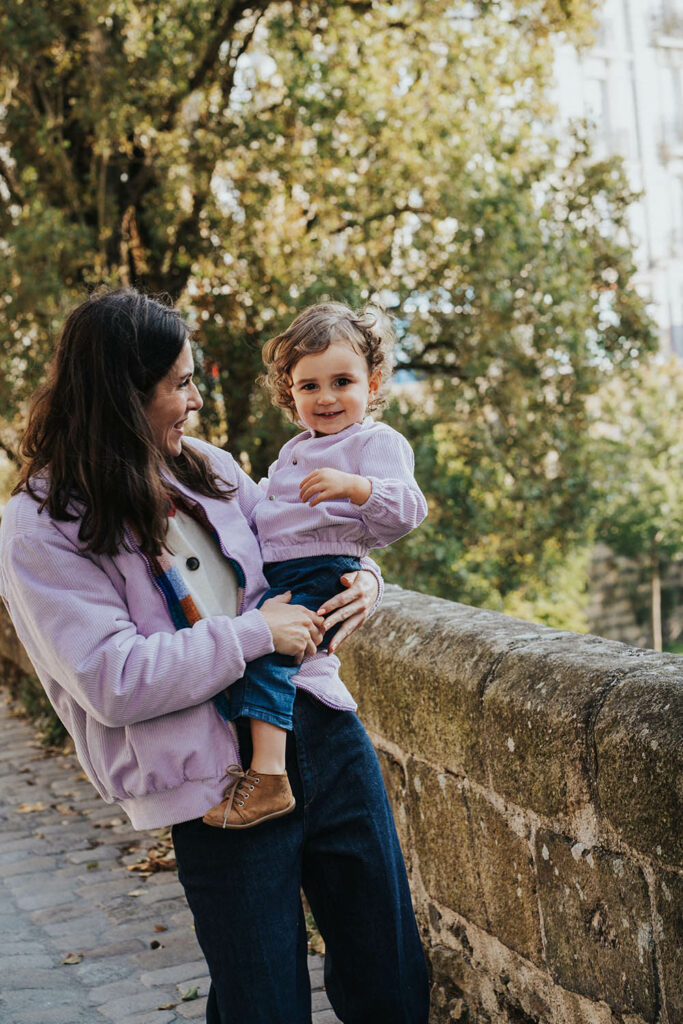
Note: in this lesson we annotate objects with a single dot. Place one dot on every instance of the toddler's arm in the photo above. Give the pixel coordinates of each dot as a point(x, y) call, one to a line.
point(389, 500)
point(326, 484)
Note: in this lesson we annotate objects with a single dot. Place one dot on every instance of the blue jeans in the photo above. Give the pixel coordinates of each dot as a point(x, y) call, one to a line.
point(339, 845)
point(266, 690)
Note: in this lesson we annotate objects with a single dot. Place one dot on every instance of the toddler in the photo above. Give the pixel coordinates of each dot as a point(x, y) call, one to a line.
point(341, 487)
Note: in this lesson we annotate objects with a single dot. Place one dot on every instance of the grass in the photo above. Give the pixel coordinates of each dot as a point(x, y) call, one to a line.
point(29, 698)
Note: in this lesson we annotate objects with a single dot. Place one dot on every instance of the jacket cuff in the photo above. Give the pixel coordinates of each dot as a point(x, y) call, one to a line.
point(253, 633)
point(374, 510)
point(367, 563)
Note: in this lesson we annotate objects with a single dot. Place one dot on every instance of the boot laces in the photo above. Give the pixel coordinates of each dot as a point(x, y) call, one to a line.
point(238, 787)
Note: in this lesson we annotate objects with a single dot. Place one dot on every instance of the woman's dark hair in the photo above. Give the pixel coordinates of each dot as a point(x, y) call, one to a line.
point(87, 431)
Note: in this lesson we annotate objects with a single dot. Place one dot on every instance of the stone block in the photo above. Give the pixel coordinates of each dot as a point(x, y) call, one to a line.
point(441, 834)
point(194, 1010)
point(597, 920)
point(669, 901)
point(506, 874)
point(538, 717)
point(463, 991)
point(639, 745)
point(417, 670)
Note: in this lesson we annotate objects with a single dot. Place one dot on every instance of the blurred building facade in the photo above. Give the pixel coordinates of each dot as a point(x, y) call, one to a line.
point(630, 84)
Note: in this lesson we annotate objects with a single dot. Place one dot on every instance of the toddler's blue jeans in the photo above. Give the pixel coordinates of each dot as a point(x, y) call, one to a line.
point(339, 844)
point(266, 690)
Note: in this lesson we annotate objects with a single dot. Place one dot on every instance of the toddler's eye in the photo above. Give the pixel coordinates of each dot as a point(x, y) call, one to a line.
point(343, 381)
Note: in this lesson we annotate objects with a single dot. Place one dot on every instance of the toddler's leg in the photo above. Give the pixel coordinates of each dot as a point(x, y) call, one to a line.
point(268, 742)
point(261, 793)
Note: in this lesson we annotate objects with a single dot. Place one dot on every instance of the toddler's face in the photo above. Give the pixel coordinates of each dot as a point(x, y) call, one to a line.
point(331, 389)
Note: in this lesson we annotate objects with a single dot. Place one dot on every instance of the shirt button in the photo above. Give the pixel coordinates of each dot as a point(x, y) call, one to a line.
point(294, 462)
point(192, 563)
point(271, 497)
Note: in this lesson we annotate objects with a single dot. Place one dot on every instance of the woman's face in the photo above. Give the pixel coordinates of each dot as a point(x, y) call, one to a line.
point(171, 402)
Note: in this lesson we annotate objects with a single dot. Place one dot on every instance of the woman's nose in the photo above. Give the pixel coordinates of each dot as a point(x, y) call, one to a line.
point(195, 400)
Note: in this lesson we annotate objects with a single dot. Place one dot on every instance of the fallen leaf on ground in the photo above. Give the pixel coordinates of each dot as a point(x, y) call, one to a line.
point(160, 857)
point(167, 1006)
point(29, 808)
point(192, 993)
point(160, 928)
point(65, 809)
point(136, 892)
point(72, 958)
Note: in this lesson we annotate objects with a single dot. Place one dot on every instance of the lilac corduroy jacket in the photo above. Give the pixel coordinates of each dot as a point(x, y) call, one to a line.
point(290, 528)
point(134, 693)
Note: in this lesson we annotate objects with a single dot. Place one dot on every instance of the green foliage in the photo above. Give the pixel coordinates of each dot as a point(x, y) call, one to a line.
point(26, 691)
point(252, 158)
point(640, 451)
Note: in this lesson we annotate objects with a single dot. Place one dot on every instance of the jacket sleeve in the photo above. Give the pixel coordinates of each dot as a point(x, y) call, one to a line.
point(78, 631)
point(396, 505)
point(249, 494)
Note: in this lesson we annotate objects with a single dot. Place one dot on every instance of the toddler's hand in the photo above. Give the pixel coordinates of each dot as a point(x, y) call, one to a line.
point(327, 484)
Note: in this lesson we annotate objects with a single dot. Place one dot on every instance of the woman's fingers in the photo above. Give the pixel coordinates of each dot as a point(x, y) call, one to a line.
point(350, 607)
point(351, 624)
point(350, 593)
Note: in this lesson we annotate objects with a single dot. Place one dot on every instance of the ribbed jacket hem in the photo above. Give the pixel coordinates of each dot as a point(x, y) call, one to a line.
point(170, 807)
point(273, 552)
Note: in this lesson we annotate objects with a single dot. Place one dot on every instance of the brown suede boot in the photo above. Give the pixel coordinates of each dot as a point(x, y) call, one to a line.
point(250, 798)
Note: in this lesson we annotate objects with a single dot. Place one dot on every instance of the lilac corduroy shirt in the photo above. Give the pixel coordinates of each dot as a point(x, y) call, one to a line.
point(134, 693)
point(289, 528)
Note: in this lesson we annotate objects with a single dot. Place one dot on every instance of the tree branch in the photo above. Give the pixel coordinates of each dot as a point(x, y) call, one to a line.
point(440, 366)
point(140, 181)
point(10, 453)
point(394, 211)
point(10, 185)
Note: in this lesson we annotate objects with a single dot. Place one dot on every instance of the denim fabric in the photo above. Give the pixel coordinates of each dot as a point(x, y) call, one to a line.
point(266, 690)
point(340, 845)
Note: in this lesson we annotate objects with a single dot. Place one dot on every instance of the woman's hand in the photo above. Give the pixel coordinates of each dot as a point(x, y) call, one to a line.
point(296, 630)
point(352, 606)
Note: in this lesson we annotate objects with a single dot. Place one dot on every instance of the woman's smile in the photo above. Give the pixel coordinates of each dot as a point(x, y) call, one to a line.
point(175, 393)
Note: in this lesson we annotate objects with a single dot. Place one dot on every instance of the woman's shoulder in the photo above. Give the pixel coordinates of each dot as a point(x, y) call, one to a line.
point(221, 461)
point(22, 515)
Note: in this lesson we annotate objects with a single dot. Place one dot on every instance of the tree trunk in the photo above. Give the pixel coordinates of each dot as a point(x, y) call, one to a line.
point(656, 603)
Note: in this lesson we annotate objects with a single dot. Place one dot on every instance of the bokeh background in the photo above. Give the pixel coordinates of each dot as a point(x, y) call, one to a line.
point(492, 172)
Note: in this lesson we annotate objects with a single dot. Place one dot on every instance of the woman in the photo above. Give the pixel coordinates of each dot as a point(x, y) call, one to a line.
point(132, 574)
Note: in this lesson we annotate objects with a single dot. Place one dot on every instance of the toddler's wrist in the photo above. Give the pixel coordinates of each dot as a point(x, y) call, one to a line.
point(361, 490)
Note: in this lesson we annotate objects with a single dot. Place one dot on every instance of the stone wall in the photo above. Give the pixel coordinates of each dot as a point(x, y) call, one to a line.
point(537, 786)
point(536, 781)
point(620, 599)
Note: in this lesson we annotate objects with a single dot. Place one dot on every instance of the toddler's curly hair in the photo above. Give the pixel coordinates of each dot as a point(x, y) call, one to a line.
point(369, 331)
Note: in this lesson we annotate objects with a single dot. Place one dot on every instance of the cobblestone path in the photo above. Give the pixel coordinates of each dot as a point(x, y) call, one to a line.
point(66, 894)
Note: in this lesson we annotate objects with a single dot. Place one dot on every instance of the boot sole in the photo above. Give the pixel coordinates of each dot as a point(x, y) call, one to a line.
point(266, 817)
